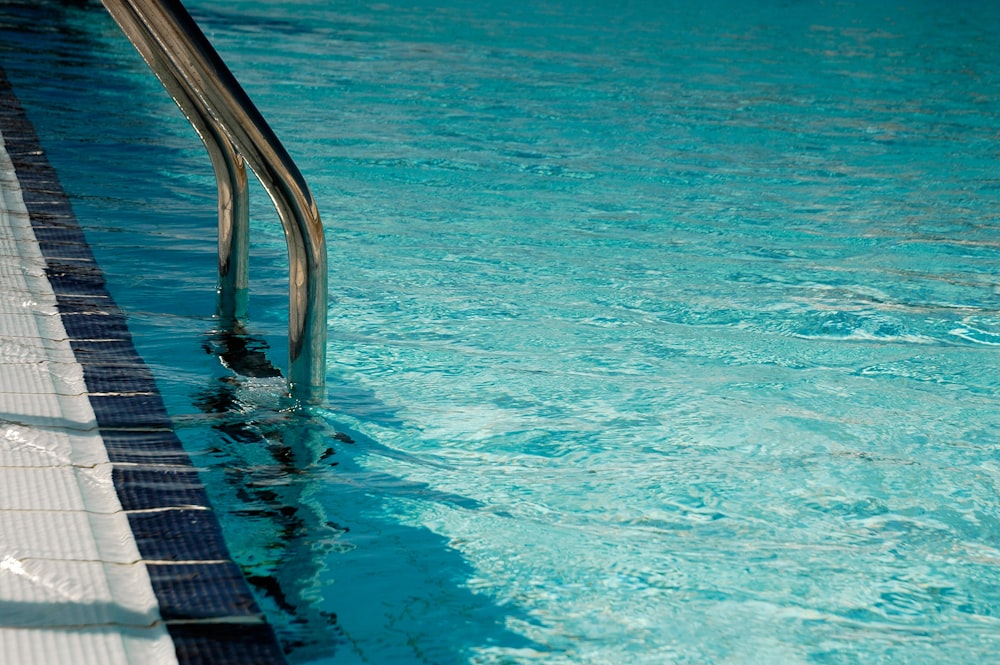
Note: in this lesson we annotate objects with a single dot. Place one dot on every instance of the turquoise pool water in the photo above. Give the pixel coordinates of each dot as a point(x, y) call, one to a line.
point(659, 333)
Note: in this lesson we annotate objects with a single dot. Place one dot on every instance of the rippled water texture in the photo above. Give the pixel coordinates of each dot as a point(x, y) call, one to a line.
point(660, 332)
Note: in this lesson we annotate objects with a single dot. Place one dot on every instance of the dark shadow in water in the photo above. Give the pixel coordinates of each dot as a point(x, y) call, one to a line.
point(275, 457)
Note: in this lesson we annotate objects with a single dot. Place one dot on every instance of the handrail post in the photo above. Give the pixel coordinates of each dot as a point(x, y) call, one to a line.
point(234, 230)
point(233, 130)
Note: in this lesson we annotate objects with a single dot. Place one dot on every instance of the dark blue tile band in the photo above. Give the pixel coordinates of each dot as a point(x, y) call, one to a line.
point(144, 448)
point(146, 488)
point(201, 591)
point(130, 411)
point(203, 597)
point(117, 352)
point(178, 535)
point(203, 644)
point(109, 378)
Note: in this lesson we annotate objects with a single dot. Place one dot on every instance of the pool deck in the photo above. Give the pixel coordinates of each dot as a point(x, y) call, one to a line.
point(109, 550)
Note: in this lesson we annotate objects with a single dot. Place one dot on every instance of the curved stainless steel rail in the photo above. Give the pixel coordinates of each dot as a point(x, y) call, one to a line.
point(234, 131)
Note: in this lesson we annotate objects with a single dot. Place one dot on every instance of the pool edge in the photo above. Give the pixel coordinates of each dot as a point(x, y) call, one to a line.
point(204, 601)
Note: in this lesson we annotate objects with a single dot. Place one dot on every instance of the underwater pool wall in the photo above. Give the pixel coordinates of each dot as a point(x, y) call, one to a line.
point(110, 552)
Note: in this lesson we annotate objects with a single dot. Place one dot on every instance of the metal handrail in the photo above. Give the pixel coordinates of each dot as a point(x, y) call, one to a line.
point(234, 131)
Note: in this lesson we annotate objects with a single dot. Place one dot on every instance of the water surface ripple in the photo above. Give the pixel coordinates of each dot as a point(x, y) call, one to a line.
point(660, 332)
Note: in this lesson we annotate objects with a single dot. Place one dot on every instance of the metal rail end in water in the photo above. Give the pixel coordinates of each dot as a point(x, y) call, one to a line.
point(234, 131)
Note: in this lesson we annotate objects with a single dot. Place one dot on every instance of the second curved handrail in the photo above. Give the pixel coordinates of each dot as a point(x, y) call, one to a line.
point(233, 130)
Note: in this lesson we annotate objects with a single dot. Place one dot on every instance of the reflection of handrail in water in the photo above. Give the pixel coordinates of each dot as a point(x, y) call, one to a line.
point(295, 489)
point(267, 448)
point(233, 130)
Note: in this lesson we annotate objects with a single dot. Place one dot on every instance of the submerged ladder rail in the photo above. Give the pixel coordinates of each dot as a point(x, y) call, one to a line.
point(234, 132)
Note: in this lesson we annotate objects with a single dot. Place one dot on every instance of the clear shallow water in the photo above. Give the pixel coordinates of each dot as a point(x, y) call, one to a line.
point(662, 334)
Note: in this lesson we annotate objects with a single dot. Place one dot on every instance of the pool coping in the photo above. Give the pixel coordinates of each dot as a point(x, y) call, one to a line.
point(203, 599)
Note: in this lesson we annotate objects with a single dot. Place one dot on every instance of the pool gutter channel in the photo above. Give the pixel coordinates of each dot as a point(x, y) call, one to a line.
point(201, 595)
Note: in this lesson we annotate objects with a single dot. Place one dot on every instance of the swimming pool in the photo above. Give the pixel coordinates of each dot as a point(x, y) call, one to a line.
point(657, 333)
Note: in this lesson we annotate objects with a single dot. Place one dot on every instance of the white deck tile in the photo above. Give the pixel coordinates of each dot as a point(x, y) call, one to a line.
point(66, 536)
point(58, 488)
point(42, 378)
point(47, 412)
point(24, 446)
point(77, 593)
point(22, 301)
point(31, 326)
point(104, 645)
point(23, 349)
point(18, 271)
